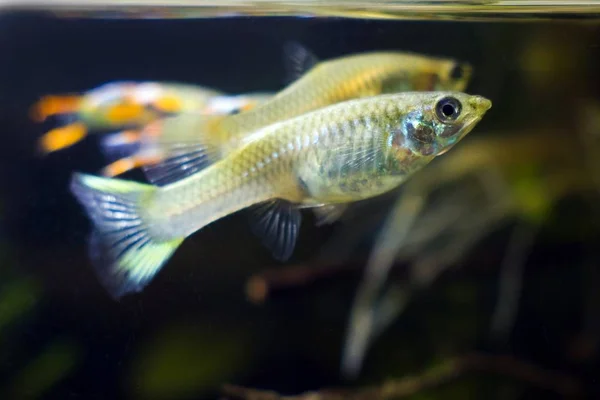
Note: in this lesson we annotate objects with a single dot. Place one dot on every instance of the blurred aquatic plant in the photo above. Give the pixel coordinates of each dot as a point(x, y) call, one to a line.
point(552, 57)
point(33, 377)
point(434, 377)
point(48, 368)
point(19, 298)
point(476, 189)
point(187, 360)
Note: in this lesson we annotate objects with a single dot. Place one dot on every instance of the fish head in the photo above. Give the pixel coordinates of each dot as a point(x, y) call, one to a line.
point(453, 75)
point(434, 122)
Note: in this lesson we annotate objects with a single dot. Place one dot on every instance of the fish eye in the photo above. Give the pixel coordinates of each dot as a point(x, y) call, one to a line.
point(457, 72)
point(448, 109)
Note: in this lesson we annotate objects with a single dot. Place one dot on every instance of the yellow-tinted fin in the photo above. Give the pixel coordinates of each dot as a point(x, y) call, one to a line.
point(125, 255)
point(52, 105)
point(65, 136)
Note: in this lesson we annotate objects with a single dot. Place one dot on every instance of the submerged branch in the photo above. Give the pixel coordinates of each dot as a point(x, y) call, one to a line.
point(511, 280)
point(259, 286)
point(441, 374)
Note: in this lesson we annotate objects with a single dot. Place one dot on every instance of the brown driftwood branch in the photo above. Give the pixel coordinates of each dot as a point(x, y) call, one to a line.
point(442, 374)
point(260, 285)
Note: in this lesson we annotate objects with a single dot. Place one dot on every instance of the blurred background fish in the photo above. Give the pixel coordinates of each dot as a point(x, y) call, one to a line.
point(131, 105)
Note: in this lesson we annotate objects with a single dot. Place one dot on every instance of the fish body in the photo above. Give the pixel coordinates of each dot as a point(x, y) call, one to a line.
point(345, 152)
point(234, 104)
point(134, 104)
point(325, 83)
point(340, 79)
point(131, 105)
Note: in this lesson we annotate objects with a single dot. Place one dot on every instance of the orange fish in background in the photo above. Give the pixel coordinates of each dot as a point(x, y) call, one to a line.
point(131, 105)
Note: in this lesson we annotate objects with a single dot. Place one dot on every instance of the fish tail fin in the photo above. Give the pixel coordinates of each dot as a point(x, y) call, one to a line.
point(124, 253)
point(62, 137)
point(48, 106)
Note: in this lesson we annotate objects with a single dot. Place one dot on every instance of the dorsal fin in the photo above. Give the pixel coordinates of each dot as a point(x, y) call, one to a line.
point(182, 145)
point(180, 161)
point(277, 223)
point(298, 60)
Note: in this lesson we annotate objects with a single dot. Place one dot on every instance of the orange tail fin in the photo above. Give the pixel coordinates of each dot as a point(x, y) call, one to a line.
point(128, 163)
point(62, 137)
point(52, 105)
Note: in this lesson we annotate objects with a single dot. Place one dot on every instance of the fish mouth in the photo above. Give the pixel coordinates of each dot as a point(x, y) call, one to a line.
point(481, 104)
point(467, 128)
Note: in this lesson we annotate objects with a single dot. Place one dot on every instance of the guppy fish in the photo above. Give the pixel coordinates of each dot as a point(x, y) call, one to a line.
point(117, 105)
point(325, 83)
point(342, 153)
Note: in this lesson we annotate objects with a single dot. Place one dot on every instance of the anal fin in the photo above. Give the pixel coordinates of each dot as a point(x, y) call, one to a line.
point(277, 223)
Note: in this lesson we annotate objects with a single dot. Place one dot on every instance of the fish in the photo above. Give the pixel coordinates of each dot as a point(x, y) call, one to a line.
point(131, 105)
point(342, 153)
point(315, 84)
